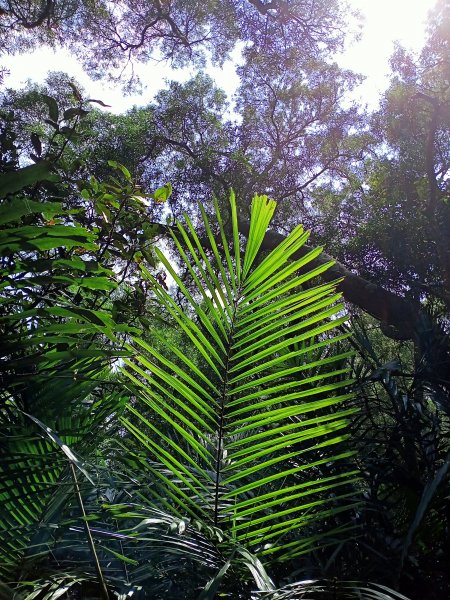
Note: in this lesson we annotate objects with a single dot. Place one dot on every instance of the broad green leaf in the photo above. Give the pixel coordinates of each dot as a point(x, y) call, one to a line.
point(96, 283)
point(13, 210)
point(162, 194)
point(120, 167)
point(18, 180)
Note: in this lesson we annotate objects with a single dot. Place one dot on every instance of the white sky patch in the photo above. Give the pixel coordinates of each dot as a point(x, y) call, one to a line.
point(36, 65)
point(163, 245)
point(385, 22)
point(154, 75)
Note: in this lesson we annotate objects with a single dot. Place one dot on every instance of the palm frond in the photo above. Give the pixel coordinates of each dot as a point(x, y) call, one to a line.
point(246, 441)
point(36, 489)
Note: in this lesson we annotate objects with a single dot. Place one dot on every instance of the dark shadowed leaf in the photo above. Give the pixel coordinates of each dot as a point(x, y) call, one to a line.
point(52, 107)
point(20, 179)
point(99, 102)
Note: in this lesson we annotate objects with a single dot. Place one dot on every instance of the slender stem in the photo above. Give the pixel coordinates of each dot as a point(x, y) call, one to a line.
point(101, 580)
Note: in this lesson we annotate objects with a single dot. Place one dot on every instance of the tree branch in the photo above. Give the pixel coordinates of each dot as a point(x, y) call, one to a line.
point(45, 14)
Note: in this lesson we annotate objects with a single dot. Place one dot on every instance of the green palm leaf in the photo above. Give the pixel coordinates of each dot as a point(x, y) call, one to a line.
point(332, 590)
point(35, 484)
point(246, 440)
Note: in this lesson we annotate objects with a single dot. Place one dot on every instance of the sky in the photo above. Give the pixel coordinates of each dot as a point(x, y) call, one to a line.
point(385, 21)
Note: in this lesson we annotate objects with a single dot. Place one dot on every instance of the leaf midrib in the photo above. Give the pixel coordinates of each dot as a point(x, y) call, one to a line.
point(222, 403)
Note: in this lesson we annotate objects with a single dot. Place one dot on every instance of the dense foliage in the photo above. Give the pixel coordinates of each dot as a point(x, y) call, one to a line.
point(184, 411)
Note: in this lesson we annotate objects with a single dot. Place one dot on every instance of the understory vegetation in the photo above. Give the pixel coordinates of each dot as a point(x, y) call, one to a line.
point(225, 337)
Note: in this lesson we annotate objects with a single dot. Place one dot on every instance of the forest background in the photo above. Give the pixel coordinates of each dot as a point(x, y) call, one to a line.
point(96, 497)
